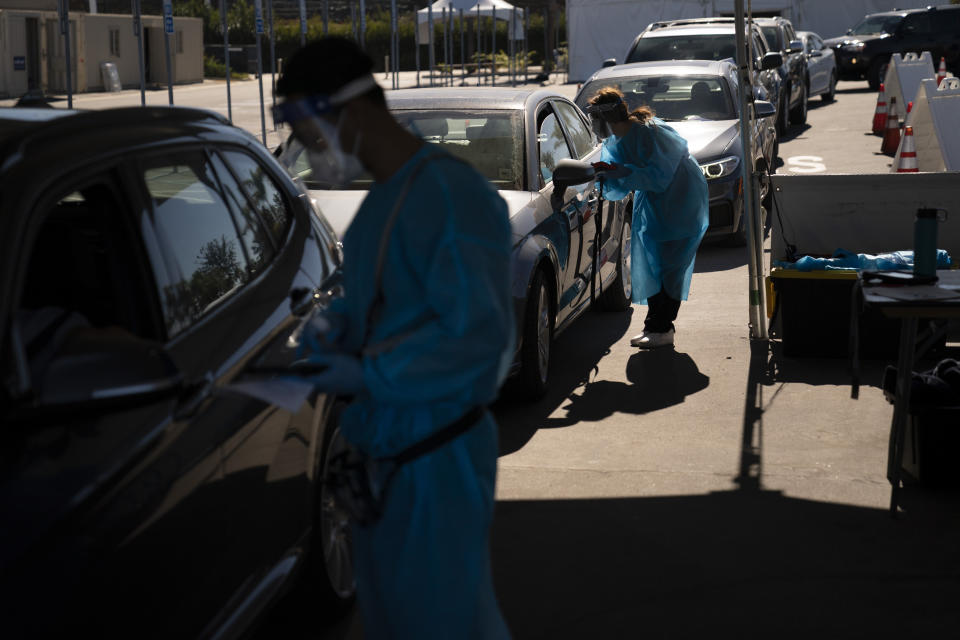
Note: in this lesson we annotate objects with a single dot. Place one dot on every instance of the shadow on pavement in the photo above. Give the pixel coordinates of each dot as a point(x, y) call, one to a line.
point(747, 563)
point(575, 355)
point(713, 256)
point(794, 132)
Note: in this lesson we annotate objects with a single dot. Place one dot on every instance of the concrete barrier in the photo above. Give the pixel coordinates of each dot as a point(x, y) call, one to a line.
point(904, 74)
point(935, 119)
point(870, 213)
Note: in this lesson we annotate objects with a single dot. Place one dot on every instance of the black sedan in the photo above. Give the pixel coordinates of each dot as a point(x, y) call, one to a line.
point(153, 262)
point(698, 98)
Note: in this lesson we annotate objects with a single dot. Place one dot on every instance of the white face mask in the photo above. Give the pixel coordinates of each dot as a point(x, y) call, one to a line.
point(333, 165)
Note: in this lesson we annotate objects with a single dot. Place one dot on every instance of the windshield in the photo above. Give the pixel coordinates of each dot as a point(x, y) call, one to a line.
point(772, 36)
point(689, 47)
point(672, 98)
point(876, 24)
point(490, 140)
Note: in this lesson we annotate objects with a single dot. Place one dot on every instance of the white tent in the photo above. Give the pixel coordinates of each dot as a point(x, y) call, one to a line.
point(487, 9)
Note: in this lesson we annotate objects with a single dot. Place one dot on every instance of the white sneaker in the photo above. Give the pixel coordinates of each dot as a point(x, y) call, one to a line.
point(651, 340)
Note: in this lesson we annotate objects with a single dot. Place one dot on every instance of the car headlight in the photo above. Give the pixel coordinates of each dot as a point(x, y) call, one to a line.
point(720, 168)
point(854, 46)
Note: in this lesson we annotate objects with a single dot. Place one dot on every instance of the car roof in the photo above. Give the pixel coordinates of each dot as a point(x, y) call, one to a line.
point(468, 98)
point(671, 67)
point(708, 28)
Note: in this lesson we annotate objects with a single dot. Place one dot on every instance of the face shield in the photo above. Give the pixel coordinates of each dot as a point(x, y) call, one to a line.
point(310, 120)
point(601, 115)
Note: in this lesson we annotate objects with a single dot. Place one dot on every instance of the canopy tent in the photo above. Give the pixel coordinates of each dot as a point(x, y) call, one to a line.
point(501, 9)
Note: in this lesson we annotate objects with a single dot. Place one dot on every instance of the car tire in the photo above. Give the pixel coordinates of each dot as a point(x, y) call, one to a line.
point(831, 93)
point(619, 295)
point(875, 74)
point(330, 568)
point(798, 115)
point(537, 339)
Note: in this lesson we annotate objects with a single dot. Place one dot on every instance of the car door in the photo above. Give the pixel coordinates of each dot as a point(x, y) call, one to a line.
point(82, 474)
point(600, 241)
point(818, 64)
point(553, 146)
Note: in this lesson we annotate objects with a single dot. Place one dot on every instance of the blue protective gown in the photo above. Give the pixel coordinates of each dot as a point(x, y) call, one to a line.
point(423, 570)
point(670, 206)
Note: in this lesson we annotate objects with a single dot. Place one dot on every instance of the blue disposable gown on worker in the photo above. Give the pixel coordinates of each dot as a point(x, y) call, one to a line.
point(423, 570)
point(670, 206)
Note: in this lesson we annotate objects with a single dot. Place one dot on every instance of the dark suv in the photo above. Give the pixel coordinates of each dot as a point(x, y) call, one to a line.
point(152, 261)
point(867, 48)
point(711, 39)
point(780, 36)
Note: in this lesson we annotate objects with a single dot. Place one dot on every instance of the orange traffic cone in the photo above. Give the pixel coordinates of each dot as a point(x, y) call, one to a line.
point(906, 119)
point(891, 139)
point(942, 71)
point(880, 114)
point(908, 153)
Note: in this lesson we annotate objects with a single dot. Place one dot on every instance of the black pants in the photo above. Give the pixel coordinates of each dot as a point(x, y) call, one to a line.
point(661, 312)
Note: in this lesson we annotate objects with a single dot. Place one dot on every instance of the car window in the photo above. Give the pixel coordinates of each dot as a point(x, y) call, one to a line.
point(263, 192)
point(257, 243)
point(948, 22)
point(686, 47)
point(917, 24)
point(876, 24)
point(580, 135)
point(551, 144)
point(204, 258)
point(772, 36)
point(673, 98)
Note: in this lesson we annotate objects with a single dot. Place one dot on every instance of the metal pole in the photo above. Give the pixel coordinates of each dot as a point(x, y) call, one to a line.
point(326, 16)
point(463, 54)
point(258, 18)
point(493, 49)
point(303, 22)
point(138, 33)
point(525, 79)
point(479, 45)
point(363, 24)
point(395, 44)
point(430, 38)
point(546, 44)
point(512, 37)
point(65, 32)
point(167, 30)
point(353, 20)
point(273, 59)
point(226, 57)
point(416, 41)
point(450, 47)
point(758, 327)
point(443, 43)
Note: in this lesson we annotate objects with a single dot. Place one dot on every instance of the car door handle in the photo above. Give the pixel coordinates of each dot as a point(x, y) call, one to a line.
point(194, 396)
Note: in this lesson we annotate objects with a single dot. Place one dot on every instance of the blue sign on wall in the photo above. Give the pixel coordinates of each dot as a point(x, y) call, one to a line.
point(19, 63)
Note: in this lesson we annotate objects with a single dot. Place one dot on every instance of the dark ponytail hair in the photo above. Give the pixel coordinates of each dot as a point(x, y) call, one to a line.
point(612, 95)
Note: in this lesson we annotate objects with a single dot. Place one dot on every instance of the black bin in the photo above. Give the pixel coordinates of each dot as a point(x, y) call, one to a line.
point(931, 446)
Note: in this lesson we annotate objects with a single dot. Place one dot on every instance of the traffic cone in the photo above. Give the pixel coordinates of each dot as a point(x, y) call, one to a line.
point(880, 114)
point(942, 71)
point(891, 139)
point(908, 153)
point(907, 119)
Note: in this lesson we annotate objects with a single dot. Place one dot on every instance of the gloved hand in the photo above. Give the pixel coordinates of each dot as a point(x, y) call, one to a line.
point(611, 170)
point(344, 374)
point(603, 166)
point(321, 334)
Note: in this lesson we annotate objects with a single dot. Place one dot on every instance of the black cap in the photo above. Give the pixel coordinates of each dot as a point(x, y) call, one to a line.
point(323, 66)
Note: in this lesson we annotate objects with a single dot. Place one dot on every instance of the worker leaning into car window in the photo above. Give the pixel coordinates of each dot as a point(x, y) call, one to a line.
point(437, 347)
point(646, 157)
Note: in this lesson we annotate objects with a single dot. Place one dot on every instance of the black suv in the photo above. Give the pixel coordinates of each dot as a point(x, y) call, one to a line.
point(151, 261)
point(711, 39)
point(867, 48)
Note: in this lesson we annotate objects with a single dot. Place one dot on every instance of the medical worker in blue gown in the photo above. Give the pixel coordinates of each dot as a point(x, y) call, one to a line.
point(436, 348)
point(670, 208)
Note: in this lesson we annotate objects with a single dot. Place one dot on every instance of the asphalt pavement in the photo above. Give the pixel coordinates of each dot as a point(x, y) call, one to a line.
point(717, 489)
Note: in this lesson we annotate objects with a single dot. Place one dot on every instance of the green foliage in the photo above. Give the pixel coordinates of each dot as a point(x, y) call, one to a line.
point(213, 68)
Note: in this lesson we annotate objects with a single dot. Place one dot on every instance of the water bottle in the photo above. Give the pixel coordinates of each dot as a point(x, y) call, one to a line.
point(925, 243)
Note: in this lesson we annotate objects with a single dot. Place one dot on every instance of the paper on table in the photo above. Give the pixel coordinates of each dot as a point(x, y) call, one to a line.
point(287, 393)
point(917, 293)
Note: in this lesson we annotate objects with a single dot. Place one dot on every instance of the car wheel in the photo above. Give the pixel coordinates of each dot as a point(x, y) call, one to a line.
point(537, 339)
point(798, 115)
point(876, 73)
point(620, 294)
point(831, 88)
point(331, 565)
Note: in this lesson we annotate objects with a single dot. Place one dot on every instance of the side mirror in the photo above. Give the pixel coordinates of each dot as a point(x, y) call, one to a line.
point(849, 31)
point(96, 370)
point(771, 60)
point(763, 109)
point(795, 45)
point(567, 173)
point(610, 62)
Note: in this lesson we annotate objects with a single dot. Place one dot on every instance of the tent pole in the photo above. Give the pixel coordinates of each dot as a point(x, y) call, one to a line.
point(430, 38)
point(463, 54)
point(479, 45)
point(493, 49)
point(416, 43)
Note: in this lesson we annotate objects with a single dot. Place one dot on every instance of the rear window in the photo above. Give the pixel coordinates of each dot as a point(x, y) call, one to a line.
point(672, 98)
point(687, 47)
point(876, 24)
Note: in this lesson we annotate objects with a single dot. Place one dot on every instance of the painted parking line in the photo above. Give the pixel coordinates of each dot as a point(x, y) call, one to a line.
point(805, 164)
